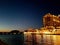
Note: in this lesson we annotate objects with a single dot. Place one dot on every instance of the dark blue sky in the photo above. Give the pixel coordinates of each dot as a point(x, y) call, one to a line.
point(24, 14)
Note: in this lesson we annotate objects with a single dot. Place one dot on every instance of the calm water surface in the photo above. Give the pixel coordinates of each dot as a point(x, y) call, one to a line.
point(12, 39)
point(30, 39)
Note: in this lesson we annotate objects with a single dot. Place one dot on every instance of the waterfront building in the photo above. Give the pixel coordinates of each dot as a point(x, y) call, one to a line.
point(51, 21)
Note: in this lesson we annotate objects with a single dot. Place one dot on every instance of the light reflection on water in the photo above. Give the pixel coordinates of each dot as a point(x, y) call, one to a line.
point(31, 39)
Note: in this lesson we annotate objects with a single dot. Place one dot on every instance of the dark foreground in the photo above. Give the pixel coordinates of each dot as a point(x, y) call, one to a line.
point(17, 39)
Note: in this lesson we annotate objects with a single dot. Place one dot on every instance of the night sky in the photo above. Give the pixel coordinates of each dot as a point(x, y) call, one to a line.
point(24, 14)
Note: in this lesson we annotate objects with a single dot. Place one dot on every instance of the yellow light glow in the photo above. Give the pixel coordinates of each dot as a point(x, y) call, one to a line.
point(24, 32)
point(46, 32)
point(54, 30)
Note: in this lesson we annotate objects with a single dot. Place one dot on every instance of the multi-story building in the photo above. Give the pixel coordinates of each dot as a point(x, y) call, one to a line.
point(51, 21)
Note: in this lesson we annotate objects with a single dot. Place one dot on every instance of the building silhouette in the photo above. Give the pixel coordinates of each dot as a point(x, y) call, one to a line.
point(13, 32)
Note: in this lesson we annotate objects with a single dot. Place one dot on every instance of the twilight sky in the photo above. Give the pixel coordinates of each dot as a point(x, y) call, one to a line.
point(24, 14)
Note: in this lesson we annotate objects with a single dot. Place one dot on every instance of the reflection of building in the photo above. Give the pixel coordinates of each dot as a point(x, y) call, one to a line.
point(51, 21)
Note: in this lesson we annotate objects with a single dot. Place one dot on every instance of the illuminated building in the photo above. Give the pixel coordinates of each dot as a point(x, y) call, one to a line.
point(51, 25)
point(51, 21)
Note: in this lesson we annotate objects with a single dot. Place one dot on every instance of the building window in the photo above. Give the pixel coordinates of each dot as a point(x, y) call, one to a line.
point(48, 18)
